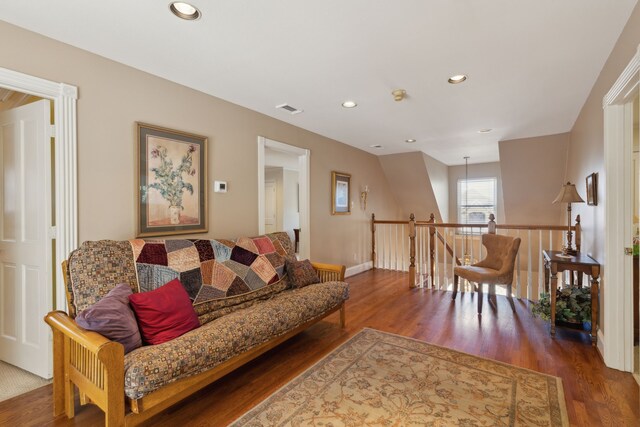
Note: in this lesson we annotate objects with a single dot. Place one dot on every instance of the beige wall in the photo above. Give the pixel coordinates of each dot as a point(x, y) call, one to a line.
point(586, 148)
point(407, 175)
point(439, 178)
point(478, 170)
point(532, 175)
point(112, 97)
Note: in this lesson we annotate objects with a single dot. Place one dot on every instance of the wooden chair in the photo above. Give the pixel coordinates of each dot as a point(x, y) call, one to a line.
point(495, 269)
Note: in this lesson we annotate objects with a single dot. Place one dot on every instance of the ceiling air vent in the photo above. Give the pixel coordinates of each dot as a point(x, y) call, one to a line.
point(289, 108)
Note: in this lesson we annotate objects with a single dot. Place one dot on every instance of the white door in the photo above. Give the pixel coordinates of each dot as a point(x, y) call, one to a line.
point(25, 248)
point(270, 207)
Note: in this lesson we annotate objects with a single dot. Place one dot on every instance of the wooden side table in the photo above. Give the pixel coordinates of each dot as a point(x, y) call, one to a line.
point(554, 263)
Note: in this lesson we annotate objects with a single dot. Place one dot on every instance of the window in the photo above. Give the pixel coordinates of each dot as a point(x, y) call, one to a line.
point(476, 201)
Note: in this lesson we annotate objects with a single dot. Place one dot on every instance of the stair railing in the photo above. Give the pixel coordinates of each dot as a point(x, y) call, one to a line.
point(429, 250)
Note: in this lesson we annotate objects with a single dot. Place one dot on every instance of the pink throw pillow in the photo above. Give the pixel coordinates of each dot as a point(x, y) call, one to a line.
point(164, 313)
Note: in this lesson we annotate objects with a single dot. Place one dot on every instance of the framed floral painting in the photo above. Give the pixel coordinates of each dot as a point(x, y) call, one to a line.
point(172, 182)
point(340, 193)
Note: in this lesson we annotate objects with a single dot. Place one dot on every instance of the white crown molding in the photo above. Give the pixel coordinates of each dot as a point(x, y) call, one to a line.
point(625, 83)
point(25, 83)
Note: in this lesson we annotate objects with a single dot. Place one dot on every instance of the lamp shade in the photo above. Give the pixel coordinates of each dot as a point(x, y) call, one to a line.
point(568, 194)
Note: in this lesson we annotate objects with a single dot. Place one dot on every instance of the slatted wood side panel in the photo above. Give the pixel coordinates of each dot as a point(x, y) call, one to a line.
point(87, 364)
point(328, 276)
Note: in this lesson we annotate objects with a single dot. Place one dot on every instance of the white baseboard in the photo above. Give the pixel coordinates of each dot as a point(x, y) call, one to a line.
point(352, 271)
point(600, 346)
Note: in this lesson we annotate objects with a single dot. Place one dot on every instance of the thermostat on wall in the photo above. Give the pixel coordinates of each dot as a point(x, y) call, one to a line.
point(220, 186)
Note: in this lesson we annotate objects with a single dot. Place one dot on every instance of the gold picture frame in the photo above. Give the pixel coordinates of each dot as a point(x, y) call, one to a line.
point(172, 182)
point(340, 193)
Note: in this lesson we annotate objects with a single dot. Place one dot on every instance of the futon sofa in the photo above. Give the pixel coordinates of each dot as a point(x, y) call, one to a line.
point(240, 291)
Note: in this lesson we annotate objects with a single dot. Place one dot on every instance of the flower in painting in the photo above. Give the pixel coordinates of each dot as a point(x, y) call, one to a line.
point(169, 181)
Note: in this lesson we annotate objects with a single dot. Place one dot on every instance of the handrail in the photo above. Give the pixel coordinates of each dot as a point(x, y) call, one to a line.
point(447, 247)
point(429, 262)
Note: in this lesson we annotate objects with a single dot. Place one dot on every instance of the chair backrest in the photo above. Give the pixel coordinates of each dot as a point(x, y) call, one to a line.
point(501, 252)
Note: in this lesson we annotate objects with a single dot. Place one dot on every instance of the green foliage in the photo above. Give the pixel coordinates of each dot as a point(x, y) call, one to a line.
point(169, 180)
point(572, 305)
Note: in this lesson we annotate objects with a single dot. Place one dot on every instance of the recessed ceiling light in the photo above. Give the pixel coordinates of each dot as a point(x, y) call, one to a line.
point(487, 130)
point(377, 146)
point(185, 11)
point(410, 140)
point(458, 78)
point(349, 104)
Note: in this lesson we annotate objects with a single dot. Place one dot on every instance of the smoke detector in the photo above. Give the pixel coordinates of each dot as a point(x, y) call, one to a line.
point(399, 94)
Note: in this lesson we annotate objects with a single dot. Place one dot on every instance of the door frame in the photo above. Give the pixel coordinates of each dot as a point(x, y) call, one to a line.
point(64, 97)
point(305, 189)
point(618, 300)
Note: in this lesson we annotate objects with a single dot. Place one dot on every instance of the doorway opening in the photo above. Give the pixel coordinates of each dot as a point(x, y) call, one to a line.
point(26, 249)
point(635, 185)
point(55, 165)
point(616, 341)
point(283, 192)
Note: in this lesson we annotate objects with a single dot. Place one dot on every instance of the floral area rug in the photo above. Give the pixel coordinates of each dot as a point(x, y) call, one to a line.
point(381, 379)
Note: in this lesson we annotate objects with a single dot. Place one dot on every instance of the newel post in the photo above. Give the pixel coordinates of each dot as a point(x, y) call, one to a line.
point(373, 240)
point(432, 248)
point(492, 224)
point(578, 228)
point(412, 251)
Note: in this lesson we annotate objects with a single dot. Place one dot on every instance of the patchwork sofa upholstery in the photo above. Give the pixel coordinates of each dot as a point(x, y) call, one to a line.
point(239, 290)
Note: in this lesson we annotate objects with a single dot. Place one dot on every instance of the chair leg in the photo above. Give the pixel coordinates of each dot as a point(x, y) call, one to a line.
point(455, 286)
point(510, 297)
point(479, 289)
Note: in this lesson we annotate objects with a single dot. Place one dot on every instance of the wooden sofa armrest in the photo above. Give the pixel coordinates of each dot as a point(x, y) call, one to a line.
point(329, 272)
point(89, 361)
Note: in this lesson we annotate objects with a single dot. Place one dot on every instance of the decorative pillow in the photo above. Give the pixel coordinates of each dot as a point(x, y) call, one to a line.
point(301, 273)
point(113, 318)
point(164, 313)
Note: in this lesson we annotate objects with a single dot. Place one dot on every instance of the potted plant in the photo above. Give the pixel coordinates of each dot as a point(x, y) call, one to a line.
point(573, 307)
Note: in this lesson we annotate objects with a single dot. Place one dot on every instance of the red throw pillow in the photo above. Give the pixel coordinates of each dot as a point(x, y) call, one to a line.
point(164, 313)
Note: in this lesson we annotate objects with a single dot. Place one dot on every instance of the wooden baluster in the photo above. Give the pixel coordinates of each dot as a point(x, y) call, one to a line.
point(404, 248)
point(437, 262)
point(428, 258)
point(518, 286)
point(412, 251)
point(529, 284)
point(374, 261)
point(432, 250)
point(453, 261)
point(540, 263)
point(384, 246)
point(491, 226)
point(445, 270)
point(394, 254)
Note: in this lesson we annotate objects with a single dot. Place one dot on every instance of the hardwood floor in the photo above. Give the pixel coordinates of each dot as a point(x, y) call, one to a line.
point(595, 395)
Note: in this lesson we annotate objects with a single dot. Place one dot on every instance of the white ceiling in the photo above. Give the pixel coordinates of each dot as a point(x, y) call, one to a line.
point(531, 64)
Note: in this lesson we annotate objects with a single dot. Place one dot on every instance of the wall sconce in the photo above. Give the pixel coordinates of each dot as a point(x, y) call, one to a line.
point(363, 197)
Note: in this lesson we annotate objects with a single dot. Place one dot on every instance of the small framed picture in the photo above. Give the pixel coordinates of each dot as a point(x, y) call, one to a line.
point(172, 182)
point(340, 193)
point(592, 189)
